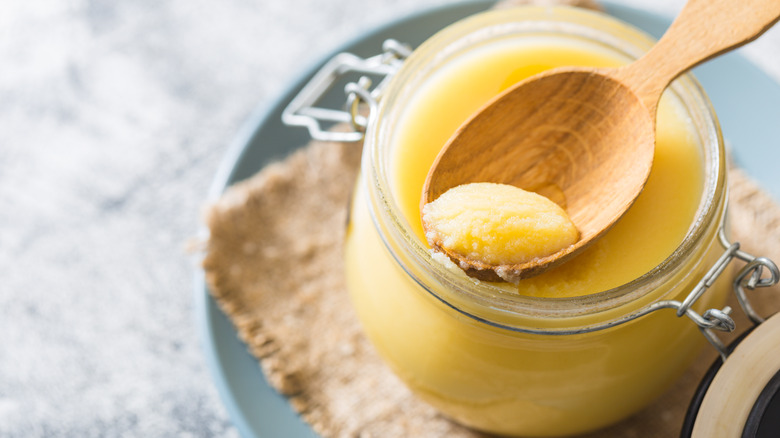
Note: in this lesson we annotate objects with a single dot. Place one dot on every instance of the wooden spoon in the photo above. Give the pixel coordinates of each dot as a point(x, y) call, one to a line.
point(584, 137)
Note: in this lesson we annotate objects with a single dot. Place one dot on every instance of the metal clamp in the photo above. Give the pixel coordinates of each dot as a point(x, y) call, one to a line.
point(302, 110)
point(750, 277)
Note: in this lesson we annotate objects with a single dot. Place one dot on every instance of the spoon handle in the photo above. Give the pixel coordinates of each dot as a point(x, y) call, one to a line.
point(704, 29)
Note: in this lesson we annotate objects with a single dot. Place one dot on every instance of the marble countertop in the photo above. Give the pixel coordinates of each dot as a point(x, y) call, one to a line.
point(113, 119)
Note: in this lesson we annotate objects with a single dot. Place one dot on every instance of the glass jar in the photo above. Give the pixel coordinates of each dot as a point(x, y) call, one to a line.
point(522, 365)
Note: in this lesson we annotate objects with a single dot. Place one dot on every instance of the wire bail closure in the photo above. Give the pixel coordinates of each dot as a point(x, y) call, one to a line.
point(750, 277)
point(303, 110)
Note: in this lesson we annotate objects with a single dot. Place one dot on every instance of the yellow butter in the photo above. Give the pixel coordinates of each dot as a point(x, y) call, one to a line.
point(497, 224)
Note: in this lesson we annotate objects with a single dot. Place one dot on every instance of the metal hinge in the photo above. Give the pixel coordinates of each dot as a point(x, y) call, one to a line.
point(303, 110)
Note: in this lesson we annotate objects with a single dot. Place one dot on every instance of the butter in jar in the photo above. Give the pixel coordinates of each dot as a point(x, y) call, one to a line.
point(555, 354)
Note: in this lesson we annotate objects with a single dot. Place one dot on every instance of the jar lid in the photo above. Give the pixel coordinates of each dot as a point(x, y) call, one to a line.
point(741, 397)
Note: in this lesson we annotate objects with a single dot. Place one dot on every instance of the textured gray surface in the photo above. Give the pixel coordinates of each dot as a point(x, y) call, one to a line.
point(113, 119)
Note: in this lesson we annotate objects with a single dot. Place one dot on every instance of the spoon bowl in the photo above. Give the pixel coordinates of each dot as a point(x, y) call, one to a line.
point(585, 137)
point(554, 141)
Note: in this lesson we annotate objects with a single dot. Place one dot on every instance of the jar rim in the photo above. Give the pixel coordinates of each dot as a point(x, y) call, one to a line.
point(484, 299)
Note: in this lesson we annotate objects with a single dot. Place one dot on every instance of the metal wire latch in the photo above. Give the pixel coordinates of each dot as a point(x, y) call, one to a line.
point(303, 110)
point(750, 277)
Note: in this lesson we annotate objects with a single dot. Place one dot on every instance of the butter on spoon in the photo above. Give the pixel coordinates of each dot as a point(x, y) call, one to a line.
point(588, 132)
point(484, 225)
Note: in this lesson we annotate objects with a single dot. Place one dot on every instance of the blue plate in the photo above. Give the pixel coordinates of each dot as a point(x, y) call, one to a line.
point(746, 99)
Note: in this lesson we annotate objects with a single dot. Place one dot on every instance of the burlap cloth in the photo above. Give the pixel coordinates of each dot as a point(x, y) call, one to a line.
point(274, 264)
